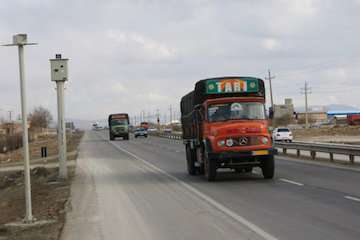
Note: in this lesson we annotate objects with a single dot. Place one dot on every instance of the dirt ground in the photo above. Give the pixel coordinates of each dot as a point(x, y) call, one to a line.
point(49, 199)
point(49, 196)
point(337, 134)
point(45, 141)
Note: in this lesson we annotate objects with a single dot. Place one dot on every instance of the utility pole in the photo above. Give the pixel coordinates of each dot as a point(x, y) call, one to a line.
point(149, 117)
point(170, 115)
point(20, 40)
point(143, 116)
point(306, 91)
point(271, 92)
point(59, 75)
point(10, 114)
point(158, 118)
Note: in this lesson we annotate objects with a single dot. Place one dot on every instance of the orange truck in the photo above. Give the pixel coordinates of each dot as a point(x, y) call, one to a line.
point(224, 125)
point(353, 119)
point(144, 125)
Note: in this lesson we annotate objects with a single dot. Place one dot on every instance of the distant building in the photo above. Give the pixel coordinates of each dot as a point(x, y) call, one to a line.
point(287, 109)
point(11, 128)
point(312, 116)
point(70, 125)
point(342, 112)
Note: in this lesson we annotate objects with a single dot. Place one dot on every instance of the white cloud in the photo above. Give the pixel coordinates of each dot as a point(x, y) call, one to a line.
point(339, 75)
point(270, 44)
point(149, 47)
point(156, 97)
point(118, 88)
point(302, 7)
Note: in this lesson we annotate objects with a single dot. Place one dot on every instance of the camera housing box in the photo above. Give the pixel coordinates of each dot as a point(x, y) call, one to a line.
point(59, 69)
point(20, 39)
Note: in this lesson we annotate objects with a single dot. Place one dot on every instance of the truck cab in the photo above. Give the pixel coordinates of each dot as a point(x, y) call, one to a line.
point(225, 126)
point(118, 126)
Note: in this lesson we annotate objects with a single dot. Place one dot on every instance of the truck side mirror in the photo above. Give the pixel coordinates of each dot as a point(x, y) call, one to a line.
point(199, 109)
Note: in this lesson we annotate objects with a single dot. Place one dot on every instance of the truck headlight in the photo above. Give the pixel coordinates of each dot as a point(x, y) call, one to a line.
point(229, 142)
point(221, 143)
point(264, 140)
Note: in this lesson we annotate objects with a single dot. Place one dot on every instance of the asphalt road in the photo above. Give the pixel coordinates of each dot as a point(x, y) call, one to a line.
point(139, 189)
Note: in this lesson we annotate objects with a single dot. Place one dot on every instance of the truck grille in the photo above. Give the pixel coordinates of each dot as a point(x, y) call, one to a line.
point(246, 141)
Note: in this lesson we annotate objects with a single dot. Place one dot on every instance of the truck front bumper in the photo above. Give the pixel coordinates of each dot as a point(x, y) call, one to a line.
point(123, 134)
point(241, 158)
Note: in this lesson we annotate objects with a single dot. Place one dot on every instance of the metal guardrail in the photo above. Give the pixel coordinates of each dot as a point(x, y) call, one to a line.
point(313, 148)
point(170, 136)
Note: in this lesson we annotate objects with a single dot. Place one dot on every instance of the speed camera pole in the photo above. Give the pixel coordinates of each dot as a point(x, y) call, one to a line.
point(59, 75)
point(20, 40)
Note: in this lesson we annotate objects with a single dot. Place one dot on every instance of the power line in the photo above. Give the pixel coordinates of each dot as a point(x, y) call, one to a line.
point(316, 67)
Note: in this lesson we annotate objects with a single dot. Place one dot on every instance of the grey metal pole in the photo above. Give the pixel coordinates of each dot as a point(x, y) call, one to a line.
point(170, 115)
point(271, 92)
point(306, 106)
point(61, 131)
point(25, 138)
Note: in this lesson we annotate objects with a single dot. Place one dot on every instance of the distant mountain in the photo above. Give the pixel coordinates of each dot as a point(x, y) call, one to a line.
point(326, 108)
point(340, 107)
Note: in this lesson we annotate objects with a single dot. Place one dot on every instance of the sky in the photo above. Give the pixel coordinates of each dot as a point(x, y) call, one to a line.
point(143, 55)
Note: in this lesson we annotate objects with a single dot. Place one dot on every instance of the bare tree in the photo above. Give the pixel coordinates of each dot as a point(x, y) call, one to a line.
point(40, 117)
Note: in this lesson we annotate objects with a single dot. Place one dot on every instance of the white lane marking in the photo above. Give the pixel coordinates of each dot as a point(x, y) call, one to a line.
point(203, 196)
point(292, 182)
point(352, 198)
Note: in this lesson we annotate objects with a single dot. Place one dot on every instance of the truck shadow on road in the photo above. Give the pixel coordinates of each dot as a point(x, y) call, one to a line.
point(150, 177)
point(230, 176)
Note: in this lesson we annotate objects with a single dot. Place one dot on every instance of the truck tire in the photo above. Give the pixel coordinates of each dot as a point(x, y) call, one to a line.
point(112, 138)
point(209, 167)
point(126, 137)
point(190, 159)
point(268, 166)
point(201, 169)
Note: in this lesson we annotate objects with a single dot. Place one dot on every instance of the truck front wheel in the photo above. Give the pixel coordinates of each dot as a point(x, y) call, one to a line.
point(190, 159)
point(112, 138)
point(209, 167)
point(268, 166)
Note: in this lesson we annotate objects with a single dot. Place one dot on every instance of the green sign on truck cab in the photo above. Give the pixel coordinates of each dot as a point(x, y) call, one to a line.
point(232, 85)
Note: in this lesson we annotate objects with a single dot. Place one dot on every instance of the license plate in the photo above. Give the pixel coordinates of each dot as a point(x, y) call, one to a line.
point(261, 152)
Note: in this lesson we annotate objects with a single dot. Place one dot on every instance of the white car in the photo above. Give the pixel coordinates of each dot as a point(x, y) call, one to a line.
point(282, 134)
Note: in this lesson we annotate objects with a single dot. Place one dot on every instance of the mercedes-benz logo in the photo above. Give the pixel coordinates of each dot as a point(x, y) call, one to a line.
point(243, 141)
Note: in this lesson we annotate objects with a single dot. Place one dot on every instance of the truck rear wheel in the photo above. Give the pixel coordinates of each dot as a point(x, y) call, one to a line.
point(268, 166)
point(201, 169)
point(190, 159)
point(209, 167)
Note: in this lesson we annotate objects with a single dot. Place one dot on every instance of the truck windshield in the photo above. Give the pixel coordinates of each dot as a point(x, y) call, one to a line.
point(116, 122)
point(236, 111)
